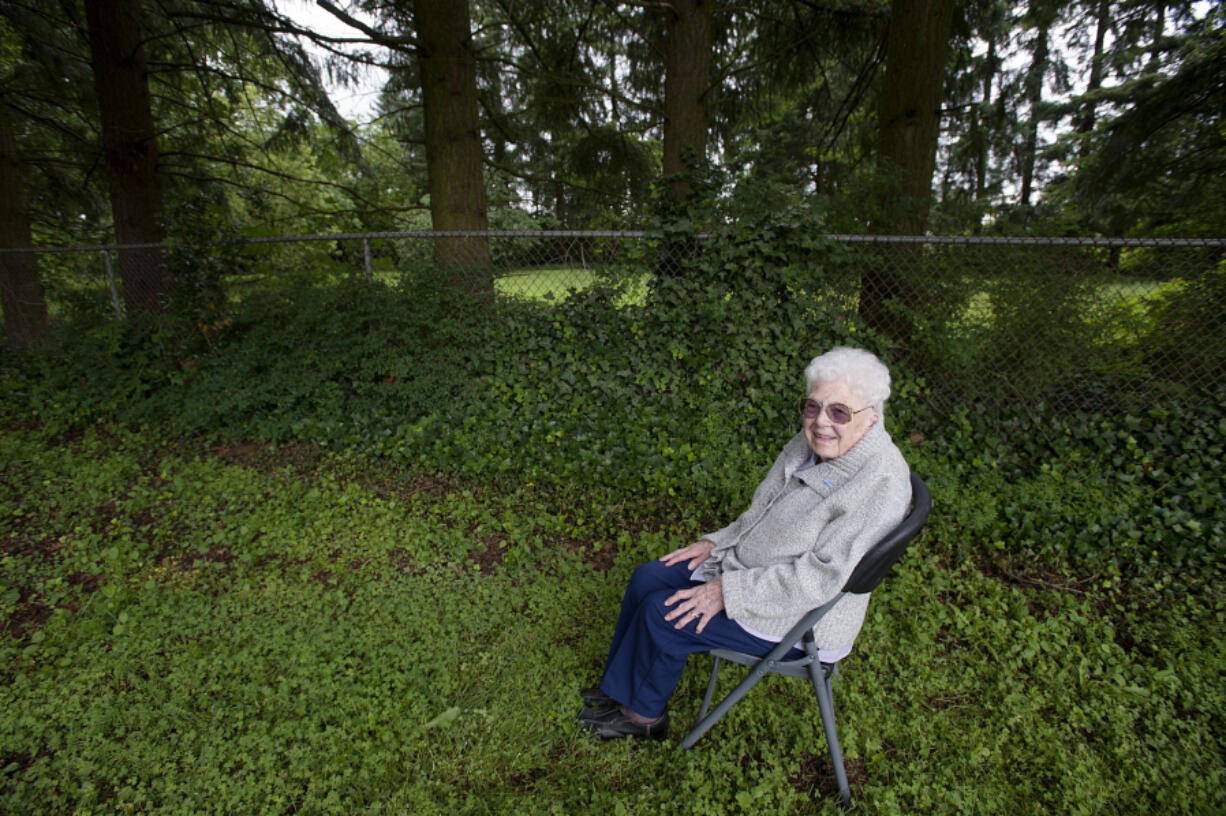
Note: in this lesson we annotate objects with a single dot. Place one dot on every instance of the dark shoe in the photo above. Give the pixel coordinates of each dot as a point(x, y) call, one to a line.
point(595, 698)
point(598, 710)
point(614, 723)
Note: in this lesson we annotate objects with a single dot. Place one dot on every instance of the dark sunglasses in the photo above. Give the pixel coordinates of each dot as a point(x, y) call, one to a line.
point(839, 413)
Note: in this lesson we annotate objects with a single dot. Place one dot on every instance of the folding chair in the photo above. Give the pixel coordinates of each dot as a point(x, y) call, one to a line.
point(866, 576)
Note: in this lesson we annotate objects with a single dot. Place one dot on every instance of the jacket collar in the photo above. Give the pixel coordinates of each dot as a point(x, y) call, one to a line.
point(830, 474)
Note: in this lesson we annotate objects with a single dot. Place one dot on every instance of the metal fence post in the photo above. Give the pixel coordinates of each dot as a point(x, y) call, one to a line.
point(110, 277)
point(366, 253)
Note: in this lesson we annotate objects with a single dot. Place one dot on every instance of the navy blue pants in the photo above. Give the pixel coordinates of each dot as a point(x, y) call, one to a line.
point(648, 653)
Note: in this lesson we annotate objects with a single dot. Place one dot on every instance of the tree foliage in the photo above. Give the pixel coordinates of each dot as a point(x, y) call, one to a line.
point(1089, 115)
point(234, 98)
point(1159, 166)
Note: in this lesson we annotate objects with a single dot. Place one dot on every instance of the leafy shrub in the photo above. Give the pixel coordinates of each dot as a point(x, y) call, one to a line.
point(321, 362)
point(1130, 498)
point(1194, 310)
point(666, 398)
point(685, 398)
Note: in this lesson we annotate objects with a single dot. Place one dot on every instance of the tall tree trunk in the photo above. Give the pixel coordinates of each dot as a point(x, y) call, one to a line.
point(130, 150)
point(909, 108)
point(454, 165)
point(981, 149)
point(909, 122)
point(687, 61)
point(25, 306)
point(1034, 96)
point(1085, 122)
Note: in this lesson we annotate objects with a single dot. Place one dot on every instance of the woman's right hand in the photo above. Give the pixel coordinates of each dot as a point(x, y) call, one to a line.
point(696, 553)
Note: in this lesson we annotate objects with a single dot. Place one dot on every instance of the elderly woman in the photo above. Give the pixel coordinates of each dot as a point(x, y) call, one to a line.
point(836, 488)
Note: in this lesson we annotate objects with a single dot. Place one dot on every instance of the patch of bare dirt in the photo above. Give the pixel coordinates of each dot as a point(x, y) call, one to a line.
point(601, 559)
point(266, 457)
point(29, 614)
point(184, 562)
point(27, 546)
point(400, 559)
point(70, 437)
point(491, 555)
point(86, 581)
point(22, 759)
point(27, 425)
point(815, 774)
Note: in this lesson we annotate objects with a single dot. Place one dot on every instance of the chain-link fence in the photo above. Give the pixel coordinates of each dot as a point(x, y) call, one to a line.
point(978, 322)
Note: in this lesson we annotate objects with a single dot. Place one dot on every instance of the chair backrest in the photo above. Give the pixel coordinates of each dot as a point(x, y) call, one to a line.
point(877, 562)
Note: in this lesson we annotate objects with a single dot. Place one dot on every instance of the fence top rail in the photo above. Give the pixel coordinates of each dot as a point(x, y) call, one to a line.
point(1026, 241)
point(845, 238)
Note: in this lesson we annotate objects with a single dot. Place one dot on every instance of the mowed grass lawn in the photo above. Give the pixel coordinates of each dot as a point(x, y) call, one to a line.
point(1110, 299)
point(555, 283)
point(192, 627)
point(545, 282)
point(1115, 300)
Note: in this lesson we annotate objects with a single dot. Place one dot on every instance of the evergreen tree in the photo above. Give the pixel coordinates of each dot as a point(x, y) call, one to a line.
point(1159, 164)
point(21, 291)
point(129, 149)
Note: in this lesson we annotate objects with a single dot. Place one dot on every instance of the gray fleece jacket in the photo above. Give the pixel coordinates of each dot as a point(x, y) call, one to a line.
point(804, 533)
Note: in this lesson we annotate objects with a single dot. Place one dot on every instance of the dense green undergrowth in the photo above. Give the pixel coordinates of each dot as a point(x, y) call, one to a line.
point(354, 548)
point(681, 399)
point(193, 626)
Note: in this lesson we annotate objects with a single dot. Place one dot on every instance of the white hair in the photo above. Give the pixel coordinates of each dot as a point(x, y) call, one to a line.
point(864, 374)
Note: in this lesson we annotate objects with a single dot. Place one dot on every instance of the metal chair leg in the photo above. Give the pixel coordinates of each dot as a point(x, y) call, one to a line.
point(825, 704)
point(706, 698)
point(704, 725)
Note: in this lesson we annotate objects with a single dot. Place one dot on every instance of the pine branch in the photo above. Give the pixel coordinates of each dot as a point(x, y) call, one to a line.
point(242, 164)
point(396, 42)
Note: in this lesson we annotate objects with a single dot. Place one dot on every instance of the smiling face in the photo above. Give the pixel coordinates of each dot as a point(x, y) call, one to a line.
point(827, 439)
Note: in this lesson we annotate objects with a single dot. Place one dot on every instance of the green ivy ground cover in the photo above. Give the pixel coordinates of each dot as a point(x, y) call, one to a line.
point(234, 580)
point(195, 627)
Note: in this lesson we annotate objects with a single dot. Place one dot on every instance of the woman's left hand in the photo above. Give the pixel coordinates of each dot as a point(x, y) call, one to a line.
point(699, 603)
point(696, 554)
